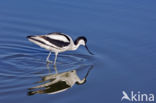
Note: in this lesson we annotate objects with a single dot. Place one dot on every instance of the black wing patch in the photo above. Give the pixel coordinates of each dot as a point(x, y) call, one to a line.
point(57, 43)
point(58, 33)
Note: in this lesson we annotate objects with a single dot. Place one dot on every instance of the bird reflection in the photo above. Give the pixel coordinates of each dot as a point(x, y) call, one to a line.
point(58, 82)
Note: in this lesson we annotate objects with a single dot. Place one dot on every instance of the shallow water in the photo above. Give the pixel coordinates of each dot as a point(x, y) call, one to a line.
point(121, 34)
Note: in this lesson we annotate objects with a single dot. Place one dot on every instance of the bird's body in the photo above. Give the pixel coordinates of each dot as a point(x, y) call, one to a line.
point(59, 82)
point(57, 43)
point(54, 42)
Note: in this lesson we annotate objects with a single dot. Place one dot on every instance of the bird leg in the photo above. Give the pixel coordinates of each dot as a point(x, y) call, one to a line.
point(55, 58)
point(47, 60)
point(55, 69)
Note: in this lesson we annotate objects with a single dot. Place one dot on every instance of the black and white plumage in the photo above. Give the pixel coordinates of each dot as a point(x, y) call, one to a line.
point(57, 43)
point(59, 82)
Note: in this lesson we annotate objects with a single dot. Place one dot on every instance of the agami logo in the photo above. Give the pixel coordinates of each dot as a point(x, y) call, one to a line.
point(137, 97)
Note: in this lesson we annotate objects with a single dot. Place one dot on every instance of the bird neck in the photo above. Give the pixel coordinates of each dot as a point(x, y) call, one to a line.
point(80, 82)
point(76, 46)
point(77, 43)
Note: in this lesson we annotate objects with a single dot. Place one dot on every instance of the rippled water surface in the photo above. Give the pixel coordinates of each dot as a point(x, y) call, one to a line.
point(120, 33)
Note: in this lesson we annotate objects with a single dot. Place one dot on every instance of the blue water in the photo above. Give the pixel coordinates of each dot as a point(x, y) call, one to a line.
point(120, 33)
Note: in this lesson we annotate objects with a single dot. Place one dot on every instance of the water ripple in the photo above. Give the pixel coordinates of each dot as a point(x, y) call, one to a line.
point(23, 62)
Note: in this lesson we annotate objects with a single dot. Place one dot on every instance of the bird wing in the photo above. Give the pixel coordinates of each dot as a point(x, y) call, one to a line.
point(56, 40)
point(58, 36)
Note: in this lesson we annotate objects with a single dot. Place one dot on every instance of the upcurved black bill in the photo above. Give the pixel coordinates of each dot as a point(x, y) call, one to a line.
point(88, 50)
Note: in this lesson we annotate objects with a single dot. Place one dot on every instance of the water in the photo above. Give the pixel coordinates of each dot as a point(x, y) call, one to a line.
point(120, 33)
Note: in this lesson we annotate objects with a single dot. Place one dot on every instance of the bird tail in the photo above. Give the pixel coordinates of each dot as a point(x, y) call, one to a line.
point(30, 93)
point(30, 36)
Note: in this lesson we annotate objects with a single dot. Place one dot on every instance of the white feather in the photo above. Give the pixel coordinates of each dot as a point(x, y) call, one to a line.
point(48, 44)
point(58, 37)
point(40, 44)
point(43, 40)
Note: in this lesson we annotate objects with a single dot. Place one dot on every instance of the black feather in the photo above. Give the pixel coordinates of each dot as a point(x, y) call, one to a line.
point(58, 33)
point(58, 43)
point(80, 38)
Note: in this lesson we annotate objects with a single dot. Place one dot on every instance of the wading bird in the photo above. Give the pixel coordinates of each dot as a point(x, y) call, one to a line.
point(58, 42)
point(59, 82)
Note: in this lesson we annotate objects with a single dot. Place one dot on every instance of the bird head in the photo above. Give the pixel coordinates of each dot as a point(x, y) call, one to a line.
point(82, 41)
point(83, 81)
